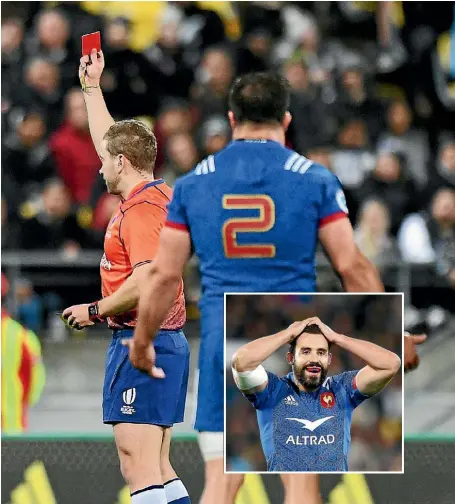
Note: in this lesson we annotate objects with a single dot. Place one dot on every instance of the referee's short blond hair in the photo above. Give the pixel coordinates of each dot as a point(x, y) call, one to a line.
point(135, 141)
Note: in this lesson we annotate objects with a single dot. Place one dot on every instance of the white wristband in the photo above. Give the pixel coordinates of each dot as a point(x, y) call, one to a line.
point(246, 380)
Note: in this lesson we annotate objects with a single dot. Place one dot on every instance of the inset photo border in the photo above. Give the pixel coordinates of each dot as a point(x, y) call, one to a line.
point(313, 383)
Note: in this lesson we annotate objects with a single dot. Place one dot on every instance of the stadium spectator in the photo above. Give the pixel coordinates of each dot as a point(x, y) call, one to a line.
point(309, 124)
point(166, 56)
point(12, 53)
point(355, 98)
point(23, 373)
point(443, 173)
point(49, 223)
point(254, 52)
point(199, 29)
point(263, 15)
point(321, 55)
point(215, 133)
point(390, 180)
point(41, 92)
point(29, 309)
point(441, 228)
point(430, 238)
point(182, 156)
point(372, 234)
point(26, 158)
point(410, 142)
point(213, 78)
point(131, 85)
point(72, 147)
point(175, 116)
point(353, 160)
point(51, 40)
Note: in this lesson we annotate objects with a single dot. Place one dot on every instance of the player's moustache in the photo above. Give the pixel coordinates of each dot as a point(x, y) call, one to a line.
point(314, 364)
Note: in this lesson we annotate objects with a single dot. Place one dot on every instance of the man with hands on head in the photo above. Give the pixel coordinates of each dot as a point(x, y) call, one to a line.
point(304, 417)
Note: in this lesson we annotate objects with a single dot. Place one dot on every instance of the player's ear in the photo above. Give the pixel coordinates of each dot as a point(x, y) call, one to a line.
point(329, 359)
point(121, 162)
point(287, 120)
point(232, 120)
point(290, 358)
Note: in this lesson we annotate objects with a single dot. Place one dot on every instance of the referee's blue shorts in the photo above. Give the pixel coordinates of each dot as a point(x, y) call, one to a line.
point(133, 396)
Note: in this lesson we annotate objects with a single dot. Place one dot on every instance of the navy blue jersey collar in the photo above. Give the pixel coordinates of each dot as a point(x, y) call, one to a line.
point(255, 141)
point(136, 190)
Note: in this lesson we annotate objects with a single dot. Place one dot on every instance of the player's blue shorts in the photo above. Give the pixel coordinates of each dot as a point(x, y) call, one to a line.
point(210, 397)
point(133, 396)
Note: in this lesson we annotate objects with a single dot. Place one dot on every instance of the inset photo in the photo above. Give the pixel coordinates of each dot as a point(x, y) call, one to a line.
point(314, 383)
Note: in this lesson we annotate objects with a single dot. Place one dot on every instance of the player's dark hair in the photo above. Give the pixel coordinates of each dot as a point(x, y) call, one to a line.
point(135, 141)
point(259, 97)
point(310, 329)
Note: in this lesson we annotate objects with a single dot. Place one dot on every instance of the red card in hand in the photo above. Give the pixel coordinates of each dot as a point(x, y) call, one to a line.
point(91, 41)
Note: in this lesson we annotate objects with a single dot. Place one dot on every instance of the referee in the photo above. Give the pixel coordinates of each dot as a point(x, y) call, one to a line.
point(141, 407)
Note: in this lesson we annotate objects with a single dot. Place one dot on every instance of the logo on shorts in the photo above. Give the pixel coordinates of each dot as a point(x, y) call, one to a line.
point(129, 397)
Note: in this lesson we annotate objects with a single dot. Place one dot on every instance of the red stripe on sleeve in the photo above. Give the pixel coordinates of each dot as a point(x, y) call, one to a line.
point(176, 225)
point(331, 218)
point(354, 382)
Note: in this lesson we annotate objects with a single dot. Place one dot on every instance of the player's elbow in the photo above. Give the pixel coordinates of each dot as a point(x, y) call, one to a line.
point(240, 360)
point(356, 269)
point(395, 363)
point(351, 264)
point(164, 276)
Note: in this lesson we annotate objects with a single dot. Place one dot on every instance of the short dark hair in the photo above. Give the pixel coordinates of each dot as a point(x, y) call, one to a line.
point(135, 141)
point(310, 329)
point(260, 97)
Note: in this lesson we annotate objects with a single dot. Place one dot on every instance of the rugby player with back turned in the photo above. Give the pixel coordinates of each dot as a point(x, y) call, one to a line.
point(141, 408)
point(254, 213)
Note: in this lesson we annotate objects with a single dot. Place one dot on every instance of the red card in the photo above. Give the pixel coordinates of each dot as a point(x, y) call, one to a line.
point(91, 41)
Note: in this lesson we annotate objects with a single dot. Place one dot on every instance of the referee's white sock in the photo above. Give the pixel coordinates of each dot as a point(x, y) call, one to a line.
point(154, 494)
point(176, 493)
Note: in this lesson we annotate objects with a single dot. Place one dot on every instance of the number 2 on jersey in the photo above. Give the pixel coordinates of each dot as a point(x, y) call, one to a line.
point(264, 222)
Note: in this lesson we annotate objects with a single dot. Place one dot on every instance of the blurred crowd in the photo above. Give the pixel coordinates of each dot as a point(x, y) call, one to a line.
point(373, 99)
point(377, 424)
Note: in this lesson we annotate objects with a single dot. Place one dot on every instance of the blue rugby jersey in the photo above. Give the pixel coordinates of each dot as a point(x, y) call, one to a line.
point(307, 431)
point(254, 210)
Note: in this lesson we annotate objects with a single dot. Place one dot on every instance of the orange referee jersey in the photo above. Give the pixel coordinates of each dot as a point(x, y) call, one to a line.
point(131, 240)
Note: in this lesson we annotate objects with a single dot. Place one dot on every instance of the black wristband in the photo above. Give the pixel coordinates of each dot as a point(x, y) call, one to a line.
point(93, 312)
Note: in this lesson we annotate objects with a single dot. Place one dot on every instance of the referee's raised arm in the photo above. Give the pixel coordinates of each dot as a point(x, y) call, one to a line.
point(99, 118)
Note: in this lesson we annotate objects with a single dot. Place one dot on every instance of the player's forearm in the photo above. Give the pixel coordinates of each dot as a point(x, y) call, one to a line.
point(124, 299)
point(251, 355)
point(156, 300)
point(375, 356)
point(99, 118)
point(361, 276)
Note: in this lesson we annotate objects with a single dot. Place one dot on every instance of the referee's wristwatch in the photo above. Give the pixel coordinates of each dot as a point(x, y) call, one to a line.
point(94, 314)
